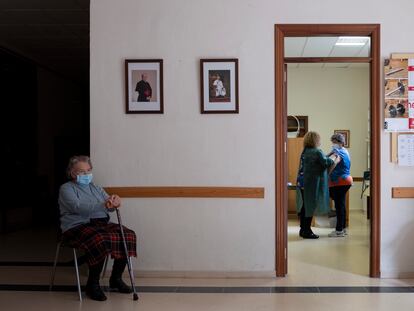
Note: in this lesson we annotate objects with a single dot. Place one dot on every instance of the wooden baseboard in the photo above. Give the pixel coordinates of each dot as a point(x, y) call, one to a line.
point(206, 274)
point(394, 274)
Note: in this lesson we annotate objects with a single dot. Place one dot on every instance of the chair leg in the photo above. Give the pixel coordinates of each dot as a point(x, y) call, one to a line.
point(105, 266)
point(75, 259)
point(52, 279)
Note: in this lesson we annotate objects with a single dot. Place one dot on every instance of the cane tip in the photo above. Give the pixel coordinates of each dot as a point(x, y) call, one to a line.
point(135, 296)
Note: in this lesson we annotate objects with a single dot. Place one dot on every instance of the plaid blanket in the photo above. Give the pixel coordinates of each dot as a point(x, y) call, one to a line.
point(99, 238)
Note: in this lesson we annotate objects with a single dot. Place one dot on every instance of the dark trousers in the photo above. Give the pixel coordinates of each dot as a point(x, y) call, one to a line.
point(305, 222)
point(95, 273)
point(96, 270)
point(338, 195)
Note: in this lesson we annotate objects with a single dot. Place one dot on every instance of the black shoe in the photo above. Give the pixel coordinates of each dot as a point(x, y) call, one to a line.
point(94, 291)
point(301, 232)
point(119, 285)
point(310, 235)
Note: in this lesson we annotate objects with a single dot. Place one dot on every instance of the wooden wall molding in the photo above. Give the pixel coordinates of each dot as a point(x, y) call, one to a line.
point(188, 192)
point(402, 192)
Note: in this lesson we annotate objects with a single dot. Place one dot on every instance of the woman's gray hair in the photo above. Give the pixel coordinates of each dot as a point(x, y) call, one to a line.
point(75, 160)
point(338, 138)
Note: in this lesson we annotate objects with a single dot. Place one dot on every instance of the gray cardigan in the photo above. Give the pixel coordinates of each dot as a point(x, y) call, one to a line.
point(79, 203)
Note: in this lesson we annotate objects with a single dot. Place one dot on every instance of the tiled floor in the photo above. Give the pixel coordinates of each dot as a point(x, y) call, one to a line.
point(330, 261)
point(34, 301)
point(324, 274)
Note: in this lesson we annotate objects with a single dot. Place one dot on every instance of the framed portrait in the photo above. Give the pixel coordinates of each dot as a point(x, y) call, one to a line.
point(219, 85)
point(144, 86)
point(346, 134)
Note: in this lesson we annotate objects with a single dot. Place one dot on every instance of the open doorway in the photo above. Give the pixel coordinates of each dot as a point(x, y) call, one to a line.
point(282, 32)
point(328, 98)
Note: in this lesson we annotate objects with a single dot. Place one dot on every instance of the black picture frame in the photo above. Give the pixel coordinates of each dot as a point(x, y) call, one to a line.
point(144, 86)
point(219, 80)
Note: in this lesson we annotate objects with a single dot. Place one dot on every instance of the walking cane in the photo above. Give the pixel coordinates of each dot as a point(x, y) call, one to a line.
point(131, 273)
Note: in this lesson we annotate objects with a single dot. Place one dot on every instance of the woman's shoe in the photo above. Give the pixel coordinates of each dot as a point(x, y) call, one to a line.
point(120, 286)
point(337, 234)
point(310, 235)
point(115, 281)
point(94, 291)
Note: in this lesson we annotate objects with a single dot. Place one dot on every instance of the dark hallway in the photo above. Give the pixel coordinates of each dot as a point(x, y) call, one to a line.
point(44, 82)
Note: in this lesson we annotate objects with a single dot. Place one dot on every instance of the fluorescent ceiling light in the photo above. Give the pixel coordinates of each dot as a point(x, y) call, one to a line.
point(352, 41)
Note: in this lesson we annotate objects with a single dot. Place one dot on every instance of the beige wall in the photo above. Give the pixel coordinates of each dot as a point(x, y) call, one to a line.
point(182, 147)
point(334, 98)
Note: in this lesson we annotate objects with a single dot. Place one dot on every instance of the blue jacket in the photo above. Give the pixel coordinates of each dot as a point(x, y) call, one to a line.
point(343, 168)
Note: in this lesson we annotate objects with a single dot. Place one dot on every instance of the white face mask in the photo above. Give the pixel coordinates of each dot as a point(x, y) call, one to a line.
point(336, 146)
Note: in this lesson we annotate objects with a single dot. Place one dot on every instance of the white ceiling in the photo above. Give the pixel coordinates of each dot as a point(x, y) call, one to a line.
point(323, 47)
point(53, 33)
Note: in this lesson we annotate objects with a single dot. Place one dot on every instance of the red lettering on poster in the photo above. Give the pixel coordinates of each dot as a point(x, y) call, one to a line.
point(411, 123)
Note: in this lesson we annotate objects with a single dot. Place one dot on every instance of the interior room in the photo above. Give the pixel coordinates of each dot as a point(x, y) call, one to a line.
point(330, 97)
point(341, 93)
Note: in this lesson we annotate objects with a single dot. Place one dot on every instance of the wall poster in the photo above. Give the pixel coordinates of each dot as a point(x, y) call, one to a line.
point(399, 93)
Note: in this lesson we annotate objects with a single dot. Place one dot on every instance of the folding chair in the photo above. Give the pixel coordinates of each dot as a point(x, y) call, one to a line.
point(61, 244)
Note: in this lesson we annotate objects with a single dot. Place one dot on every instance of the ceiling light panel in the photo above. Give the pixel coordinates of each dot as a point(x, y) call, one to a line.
point(352, 41)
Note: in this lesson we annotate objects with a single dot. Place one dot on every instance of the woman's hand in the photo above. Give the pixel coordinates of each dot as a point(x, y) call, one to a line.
point(114, 201)
point(336, 158)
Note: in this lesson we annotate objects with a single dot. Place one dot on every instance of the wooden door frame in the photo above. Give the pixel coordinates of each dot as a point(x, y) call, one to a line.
point(306, 30)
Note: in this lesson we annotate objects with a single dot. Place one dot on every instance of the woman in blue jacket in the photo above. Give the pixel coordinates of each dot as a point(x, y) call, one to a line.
point(340, 180)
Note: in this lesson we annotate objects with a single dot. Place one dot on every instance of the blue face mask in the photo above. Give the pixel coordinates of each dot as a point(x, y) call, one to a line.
point(84, 179)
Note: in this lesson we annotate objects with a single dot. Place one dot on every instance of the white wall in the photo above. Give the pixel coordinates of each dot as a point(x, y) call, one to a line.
point(334, 98)
point(183, 147)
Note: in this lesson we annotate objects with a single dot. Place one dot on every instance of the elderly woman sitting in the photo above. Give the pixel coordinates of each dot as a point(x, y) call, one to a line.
point(85, 224)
